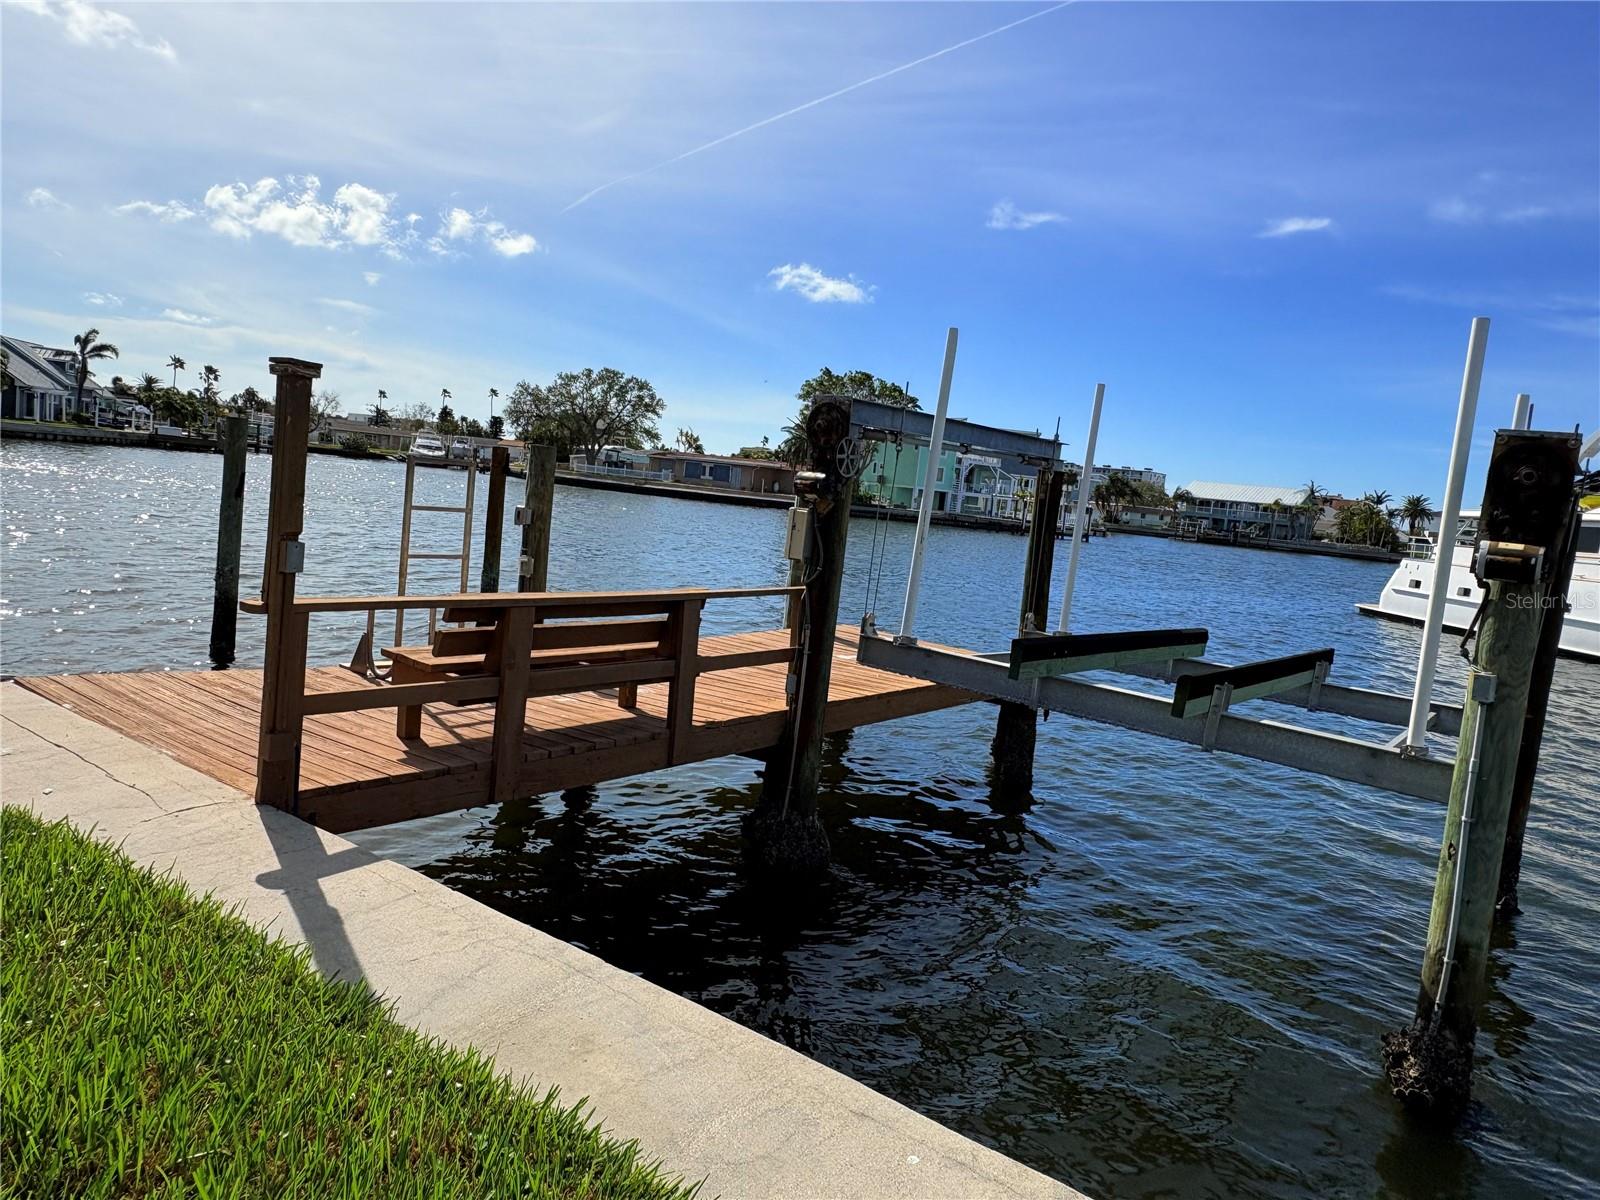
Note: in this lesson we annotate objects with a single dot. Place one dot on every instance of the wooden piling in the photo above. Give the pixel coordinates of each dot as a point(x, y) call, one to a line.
point(494, 519)
point(1017, 725)
point(1544, 669)
point(533, 575)
point(1430, 1062)
point(283, 681)
point(783, 832)
point(231, 437)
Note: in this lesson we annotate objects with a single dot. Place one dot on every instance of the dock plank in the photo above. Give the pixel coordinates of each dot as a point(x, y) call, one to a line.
point(355, 772)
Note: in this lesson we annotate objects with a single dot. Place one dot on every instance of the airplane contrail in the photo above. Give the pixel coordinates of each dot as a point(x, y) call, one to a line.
point(799, 108)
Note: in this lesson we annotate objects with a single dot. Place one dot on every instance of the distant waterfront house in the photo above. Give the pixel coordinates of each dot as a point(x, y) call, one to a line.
point(726, 471)
point(43, 384)
point(982, 470)
point(1257, 510)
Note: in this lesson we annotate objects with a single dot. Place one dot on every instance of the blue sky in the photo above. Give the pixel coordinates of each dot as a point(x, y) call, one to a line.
point(1265, 227)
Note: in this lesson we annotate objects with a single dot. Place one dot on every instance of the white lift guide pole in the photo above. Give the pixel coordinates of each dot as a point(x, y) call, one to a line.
point(1522, 414)
point(1079, 532)
point(930, 476)
point(1449, 519)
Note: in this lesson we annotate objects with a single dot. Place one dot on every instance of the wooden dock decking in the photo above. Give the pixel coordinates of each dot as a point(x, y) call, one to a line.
point(355, 772)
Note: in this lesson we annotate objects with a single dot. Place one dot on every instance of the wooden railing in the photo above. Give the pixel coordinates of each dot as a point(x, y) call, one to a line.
point(513, 627)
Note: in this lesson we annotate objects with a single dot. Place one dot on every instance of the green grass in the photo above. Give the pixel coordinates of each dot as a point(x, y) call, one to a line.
point(156, 1045)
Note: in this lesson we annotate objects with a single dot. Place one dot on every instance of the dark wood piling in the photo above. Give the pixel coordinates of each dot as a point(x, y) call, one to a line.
point(232, 433)
point(533, 573)
point(494, 519)
point(1017, 725)
point(1544, 669)
point(783, 831)
point(1525, 503)
point(283, 684)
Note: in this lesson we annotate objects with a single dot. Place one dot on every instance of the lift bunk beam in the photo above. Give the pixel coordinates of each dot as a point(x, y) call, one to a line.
point(1322, 753)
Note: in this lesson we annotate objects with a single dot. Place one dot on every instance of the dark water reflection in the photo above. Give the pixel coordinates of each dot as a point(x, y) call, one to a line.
point(1166, 978)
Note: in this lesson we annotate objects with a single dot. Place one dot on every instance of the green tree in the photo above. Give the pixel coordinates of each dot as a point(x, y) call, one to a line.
point(1416, 511)
point(584, 411)
point(497, 427)
point(89, 349)
point(325, 406)
point(472, 427)
point(689, 442)
point(210, 377)
point(177, 364)
point(445, 422)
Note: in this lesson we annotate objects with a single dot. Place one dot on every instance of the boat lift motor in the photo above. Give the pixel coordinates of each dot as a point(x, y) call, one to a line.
point(1527, 498)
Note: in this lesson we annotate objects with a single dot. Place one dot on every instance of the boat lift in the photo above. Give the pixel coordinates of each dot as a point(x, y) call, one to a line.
point(1036, 671)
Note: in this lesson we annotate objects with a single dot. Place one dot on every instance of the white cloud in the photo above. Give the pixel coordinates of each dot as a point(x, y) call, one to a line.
point(350, 306)
point(459, 225)
point(816, 287)
point(357, 215)
point(1456, 210)
point(102, 299)
point(1006, 215)
point(89, 25)
point(371, 277)
point(513, 245)
point(171, 212)
point(45, 198)
point(1288, 226)
point(185, 318)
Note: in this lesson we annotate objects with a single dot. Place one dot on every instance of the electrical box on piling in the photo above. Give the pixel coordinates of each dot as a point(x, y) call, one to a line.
point(799, 535)
point(1527, 498)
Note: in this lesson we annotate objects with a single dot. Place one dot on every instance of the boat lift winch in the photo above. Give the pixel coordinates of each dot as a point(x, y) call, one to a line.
point(1036, 671)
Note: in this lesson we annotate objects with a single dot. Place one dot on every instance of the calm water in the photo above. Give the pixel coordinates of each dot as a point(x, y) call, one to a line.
point(1168, 977)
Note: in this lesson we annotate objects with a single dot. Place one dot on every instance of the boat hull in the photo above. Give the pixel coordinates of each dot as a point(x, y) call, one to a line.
point(1405, 598)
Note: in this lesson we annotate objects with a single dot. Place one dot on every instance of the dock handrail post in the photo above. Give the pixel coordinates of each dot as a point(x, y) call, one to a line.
point(930, 477)
point(533, 571)
point(1080, 510)
point(1544, 669)
point(284, 676)
point(1522, 412)
point(1016, 726)
point(494, 518)
point(1449, 519)
point(231, 437)
point(513, 648)
point(783, 831)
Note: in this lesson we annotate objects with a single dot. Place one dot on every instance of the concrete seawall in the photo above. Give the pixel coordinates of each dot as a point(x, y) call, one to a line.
point(711, 1098)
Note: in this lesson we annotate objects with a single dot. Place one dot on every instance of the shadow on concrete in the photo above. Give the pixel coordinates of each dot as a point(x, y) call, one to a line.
point(303, 863)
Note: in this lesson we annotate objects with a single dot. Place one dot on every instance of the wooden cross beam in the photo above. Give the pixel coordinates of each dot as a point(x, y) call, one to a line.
point(1039, 655)
point(1195, 694)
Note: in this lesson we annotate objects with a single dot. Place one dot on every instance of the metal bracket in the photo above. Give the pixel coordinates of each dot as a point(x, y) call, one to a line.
point(1318, 678)
point(1481, 687)
point(869, 625)
point(525, 564)
point(294, 557)
point(523, 515)
point(1221, 696)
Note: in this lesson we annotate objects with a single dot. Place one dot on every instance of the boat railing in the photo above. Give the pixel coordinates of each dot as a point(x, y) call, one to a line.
point(582, 468)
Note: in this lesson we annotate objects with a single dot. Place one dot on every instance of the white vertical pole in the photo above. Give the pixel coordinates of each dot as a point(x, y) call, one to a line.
point(1449, 518)
point(930, 476)
point(1080, 513)
point(1522, 414)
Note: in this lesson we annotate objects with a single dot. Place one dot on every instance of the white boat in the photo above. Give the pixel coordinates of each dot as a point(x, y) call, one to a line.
point(426, 445)
point(1405, 596)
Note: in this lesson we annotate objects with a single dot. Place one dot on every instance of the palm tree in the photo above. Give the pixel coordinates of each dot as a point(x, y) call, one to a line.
point(382, 395)
point(177, 364)
point(210, 377)
point(90, 348)
point(148, 383)
point(444, 394)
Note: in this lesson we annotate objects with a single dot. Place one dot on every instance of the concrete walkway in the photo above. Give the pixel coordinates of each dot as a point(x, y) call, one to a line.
point(710, 1098)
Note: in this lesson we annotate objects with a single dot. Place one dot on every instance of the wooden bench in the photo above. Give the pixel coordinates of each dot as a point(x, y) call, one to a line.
point(522, 644)
point(586, 648)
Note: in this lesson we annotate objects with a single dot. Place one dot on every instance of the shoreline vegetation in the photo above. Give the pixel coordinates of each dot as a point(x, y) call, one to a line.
point(156, 1044)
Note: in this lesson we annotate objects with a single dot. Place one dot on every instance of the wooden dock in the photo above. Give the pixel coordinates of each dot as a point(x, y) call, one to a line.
point(355, 772)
